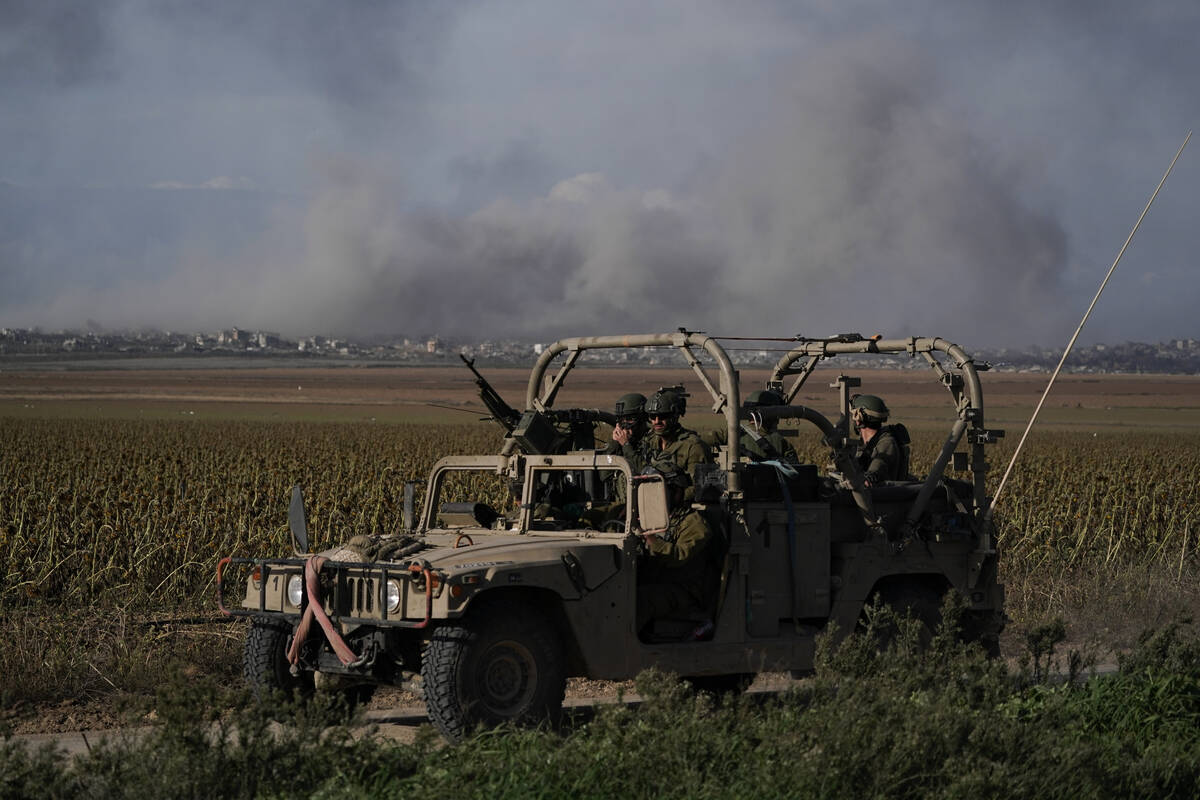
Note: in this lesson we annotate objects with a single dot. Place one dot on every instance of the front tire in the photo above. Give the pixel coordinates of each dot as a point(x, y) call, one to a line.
point(265, 665)
point(505, 664)
point(269, 674)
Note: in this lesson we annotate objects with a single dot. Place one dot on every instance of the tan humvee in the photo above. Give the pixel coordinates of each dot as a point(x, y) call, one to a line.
point(507, 585)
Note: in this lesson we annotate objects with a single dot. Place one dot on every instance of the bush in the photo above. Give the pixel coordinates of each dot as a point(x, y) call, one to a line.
point(876, 722)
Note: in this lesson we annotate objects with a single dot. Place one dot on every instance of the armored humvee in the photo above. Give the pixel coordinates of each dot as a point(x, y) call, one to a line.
point(503, 588)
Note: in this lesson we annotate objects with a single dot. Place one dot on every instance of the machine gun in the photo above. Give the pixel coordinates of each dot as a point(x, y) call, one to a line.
point(537, 432)
point(505, 415)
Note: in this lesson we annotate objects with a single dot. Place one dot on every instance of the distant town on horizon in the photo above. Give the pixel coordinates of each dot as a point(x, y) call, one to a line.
point(34, 345)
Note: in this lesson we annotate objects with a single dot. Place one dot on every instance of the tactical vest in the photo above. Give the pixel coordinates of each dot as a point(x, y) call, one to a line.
point(900, 434)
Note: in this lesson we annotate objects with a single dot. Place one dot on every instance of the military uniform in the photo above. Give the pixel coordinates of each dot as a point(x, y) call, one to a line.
point(631, 451)
point(882, 458)
point(602, 513)
point(677, 573)
point(630, 411)
point(679, 445)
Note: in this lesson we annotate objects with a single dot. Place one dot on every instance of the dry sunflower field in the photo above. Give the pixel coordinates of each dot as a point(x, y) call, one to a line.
point(115, 509)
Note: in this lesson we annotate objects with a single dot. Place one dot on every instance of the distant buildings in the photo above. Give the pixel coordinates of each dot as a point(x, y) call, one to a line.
point(1179, 356)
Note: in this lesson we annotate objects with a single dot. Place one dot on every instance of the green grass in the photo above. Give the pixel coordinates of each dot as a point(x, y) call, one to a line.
point(941, 724)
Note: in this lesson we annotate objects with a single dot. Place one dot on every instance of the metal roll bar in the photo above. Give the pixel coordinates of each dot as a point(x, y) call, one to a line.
point(962, 382)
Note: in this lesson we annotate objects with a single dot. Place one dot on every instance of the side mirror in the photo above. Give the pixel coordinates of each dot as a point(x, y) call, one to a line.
point(297, 522)
point(409, 506)
point(654, 515)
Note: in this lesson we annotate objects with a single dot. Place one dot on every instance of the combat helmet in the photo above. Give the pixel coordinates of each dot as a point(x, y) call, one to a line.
point(666, 401)
point(870, 408)
point(630, 405)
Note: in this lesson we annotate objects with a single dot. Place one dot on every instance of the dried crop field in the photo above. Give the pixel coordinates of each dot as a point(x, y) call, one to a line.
point(119, 490)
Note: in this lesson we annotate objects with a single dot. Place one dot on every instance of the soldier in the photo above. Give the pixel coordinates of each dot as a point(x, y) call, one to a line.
point(760, 439)
point(677, 574)
point(627, 436)
point(883, 454)
point(630, 429)
point(667, 439)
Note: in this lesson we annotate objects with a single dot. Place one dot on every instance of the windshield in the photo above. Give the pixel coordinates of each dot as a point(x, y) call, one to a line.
point(560, 494)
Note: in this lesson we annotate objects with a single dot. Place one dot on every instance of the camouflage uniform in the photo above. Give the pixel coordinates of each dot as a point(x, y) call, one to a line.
point(676, 575)
point(881, 458)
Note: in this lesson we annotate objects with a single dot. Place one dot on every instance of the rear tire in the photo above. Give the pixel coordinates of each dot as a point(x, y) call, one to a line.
point(505, 664)
point(923, 602)
point(915, 599)
point(984, 628)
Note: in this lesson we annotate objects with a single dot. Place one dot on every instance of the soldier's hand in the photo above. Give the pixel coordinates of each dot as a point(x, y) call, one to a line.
point(620, 435)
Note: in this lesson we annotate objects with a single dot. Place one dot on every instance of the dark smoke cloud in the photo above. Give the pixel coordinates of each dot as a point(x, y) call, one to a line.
point(535, 169)
point(863, 203)
point(360, 54)
point(53, 43)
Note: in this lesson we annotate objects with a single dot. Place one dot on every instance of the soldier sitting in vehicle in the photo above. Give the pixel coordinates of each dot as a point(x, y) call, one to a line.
point(630, 429)
point(760, 439)
point(676, 575)
point(670, 441)
point(883, 452)
point(627, 438)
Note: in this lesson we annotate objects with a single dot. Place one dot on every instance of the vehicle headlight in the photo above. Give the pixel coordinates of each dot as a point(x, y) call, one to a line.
point(295, 590)
point(393, 596)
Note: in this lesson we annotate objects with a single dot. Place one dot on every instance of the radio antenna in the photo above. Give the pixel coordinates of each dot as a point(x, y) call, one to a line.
point(1082, 322)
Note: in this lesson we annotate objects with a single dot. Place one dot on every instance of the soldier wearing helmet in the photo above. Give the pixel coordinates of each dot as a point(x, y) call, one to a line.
point(667, 439)
point(760, 439)
point(627, 440)
point(678, 572)
point(630, 429)
point(881, 454)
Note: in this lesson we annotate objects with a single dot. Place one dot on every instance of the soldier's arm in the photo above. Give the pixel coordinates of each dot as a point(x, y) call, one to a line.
point(696, 453)
point(883, 461)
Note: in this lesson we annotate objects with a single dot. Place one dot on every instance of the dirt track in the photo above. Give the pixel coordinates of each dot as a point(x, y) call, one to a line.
point(394, 714)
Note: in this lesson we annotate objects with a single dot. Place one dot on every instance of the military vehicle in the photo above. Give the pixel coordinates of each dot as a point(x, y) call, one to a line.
point(521, 570)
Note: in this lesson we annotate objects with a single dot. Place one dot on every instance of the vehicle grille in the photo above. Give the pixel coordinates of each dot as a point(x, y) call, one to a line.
point(363, 596)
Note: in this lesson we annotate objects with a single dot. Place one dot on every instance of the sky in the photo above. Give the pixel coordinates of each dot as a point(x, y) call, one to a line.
point(542, 169)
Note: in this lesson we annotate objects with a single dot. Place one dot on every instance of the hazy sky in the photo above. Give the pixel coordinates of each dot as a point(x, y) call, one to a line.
point(547, 168)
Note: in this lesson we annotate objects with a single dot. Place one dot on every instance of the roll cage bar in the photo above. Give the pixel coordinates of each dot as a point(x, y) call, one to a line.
point(962, 380)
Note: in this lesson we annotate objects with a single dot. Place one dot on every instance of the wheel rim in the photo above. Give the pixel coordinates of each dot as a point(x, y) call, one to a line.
point(507, 678)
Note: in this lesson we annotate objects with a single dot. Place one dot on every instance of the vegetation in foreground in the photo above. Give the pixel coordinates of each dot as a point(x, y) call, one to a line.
point(894, 723)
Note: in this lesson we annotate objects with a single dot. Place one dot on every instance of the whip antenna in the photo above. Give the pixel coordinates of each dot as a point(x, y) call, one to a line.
point(1082, 322)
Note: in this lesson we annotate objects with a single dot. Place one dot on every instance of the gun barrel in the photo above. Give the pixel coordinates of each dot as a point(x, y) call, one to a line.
point(505, 415)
